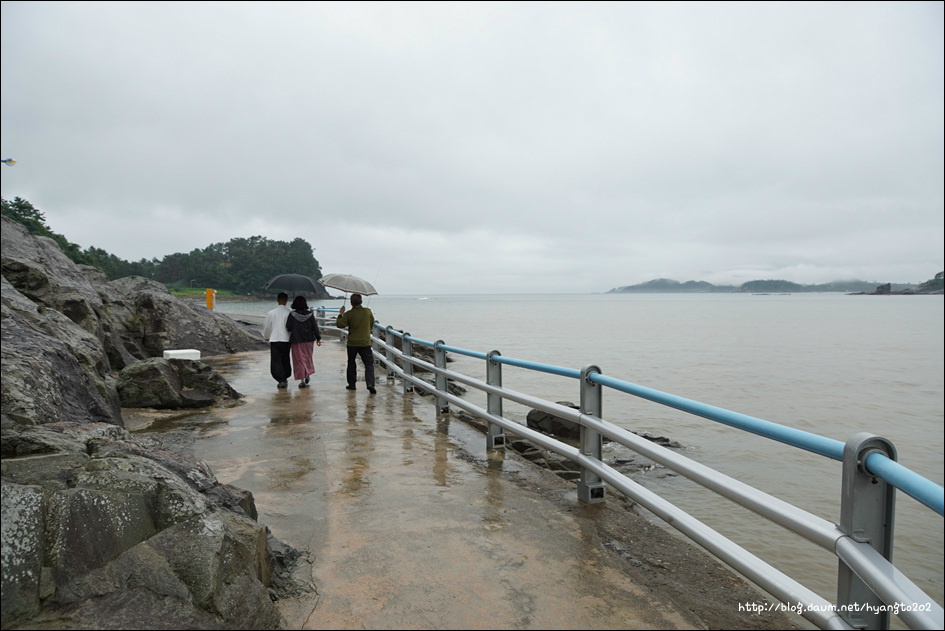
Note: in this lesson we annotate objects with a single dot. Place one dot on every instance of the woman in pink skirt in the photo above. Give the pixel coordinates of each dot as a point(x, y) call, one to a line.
point(303, 334)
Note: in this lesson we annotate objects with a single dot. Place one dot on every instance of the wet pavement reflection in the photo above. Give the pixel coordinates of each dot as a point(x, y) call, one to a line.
point(405, 520)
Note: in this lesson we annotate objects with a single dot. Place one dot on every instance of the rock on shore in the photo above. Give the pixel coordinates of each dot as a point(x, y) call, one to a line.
point(101, 529)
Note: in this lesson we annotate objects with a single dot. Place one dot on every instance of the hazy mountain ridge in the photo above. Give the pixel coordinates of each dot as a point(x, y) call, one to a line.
point(666, 285)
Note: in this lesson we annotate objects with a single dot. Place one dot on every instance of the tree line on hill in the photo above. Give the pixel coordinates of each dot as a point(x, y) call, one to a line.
point(240, 265)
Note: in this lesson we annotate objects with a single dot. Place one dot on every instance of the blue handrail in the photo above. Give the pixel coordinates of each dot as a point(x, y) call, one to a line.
point(463, 351)
point(907, 481)
point(788, 435)
point(880, 465)
point(419, 341)
point(921, 489)
point(553, 370)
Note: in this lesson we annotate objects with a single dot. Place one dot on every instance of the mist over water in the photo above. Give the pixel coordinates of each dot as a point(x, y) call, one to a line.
point(829, 364)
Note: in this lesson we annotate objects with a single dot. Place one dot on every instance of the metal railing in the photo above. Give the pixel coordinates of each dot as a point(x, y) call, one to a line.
point(869, 587)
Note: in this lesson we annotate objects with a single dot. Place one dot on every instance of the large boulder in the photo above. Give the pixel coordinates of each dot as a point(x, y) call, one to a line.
point(172, 383)
point(554, 425)
point(102, 530)
point(563, 428)
point(53, 370)
point(39, 269)
point(146, 319)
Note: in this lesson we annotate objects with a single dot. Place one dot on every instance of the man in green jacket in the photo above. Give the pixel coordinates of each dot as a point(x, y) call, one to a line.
point(359, 322)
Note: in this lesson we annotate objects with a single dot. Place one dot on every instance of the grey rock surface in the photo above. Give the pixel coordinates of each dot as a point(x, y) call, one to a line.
point(554, 425)
point(103, 530)
point(53, 369)
point(99, 529)
point(172, 383)
point(68, 331)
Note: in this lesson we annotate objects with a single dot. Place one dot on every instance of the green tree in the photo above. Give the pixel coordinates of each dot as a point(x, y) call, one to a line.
point(34, 220)
point(242, 264)
point(23, 212)
point(115, 267)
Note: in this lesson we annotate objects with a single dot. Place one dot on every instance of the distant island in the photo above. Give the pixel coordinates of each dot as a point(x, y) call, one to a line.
point(668, 286)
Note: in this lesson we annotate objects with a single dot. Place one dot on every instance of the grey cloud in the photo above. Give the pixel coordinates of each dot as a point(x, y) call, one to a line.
point(678, 139)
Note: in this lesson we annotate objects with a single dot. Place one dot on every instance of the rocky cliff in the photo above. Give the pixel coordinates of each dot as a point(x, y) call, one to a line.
point(101, 529)
point(68, 332)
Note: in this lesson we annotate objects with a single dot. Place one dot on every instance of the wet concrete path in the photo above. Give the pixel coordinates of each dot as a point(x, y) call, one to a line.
point(407, 522)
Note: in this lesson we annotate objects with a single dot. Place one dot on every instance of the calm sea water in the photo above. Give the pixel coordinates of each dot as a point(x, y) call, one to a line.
point(830, 364)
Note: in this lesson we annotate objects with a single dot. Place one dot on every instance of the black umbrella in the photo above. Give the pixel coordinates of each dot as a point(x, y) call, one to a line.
point(293, 282)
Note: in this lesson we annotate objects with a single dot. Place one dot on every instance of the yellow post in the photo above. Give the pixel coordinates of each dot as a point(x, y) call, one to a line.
point(211, 298)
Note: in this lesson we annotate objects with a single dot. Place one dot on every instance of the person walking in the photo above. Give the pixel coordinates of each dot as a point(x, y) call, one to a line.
point(303, 334)
point(359, 322)
point(274, 331)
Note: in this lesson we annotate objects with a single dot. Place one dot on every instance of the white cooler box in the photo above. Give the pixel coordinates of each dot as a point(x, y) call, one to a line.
point(186, 353)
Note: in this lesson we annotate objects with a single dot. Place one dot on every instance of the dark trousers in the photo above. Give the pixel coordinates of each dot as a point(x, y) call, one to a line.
point(280, 360)
point(367, 358)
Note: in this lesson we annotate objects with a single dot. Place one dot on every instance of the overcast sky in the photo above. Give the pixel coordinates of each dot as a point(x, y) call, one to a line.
point(490, 147)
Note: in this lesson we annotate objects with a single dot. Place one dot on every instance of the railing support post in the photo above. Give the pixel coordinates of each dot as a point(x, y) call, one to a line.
point(408, 366)
point(495, 435)
point(442, 385)
point(389, 337)
point(376, 331)
point(867, 511)
point(590, 486)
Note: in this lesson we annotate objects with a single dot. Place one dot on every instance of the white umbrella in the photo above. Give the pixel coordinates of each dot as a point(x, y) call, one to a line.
point(348, 284)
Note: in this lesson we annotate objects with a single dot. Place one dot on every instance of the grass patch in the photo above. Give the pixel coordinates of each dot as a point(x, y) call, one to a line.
point(199, 292)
